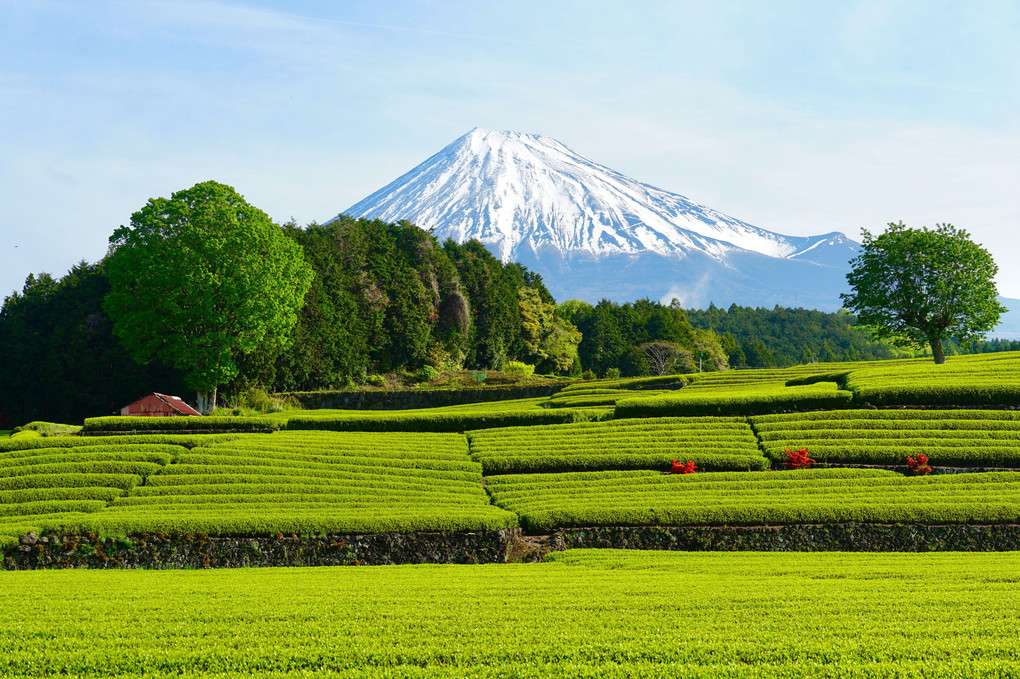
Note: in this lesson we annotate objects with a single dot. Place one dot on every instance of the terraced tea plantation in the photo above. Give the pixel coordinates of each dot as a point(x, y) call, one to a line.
point(249, 484)
point(591, 458)
point(954, 438)
point(586, 613)
point(714, 444)
point(641, 498)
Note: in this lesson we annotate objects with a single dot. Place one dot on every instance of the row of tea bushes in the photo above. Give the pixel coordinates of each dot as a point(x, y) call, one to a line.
point(117, 423)
point(546, 502)
point(735, 399)
point(185, 440)
point(446, 420)
point(956, 438)
point(713, 444)
point(312, 483)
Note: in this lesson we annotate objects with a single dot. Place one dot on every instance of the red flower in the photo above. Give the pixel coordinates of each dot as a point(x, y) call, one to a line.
point(918, 467)
point(678, 468)
point(799, 459)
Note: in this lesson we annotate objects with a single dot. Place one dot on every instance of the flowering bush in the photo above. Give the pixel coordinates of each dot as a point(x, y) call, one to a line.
point(919, 466)
point(798, 459)
point(678, 468)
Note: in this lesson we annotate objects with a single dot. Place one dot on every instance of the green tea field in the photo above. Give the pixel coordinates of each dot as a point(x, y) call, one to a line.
point(583, 614)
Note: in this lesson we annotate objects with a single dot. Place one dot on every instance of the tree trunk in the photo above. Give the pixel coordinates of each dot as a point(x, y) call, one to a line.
point(206, 401)
point(937, 352)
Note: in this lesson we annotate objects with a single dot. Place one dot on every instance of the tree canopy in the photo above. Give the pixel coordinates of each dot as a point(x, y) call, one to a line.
point(924, 286)
point(199, 279)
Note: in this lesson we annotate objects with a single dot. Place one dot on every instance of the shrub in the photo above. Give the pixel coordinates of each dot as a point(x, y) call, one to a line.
point(375, 381)
point(427, 374)
point(589, 375)
point(613, 374)
point(517, 370)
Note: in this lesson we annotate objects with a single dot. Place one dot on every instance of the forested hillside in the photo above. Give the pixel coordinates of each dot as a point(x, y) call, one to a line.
point(385, 297)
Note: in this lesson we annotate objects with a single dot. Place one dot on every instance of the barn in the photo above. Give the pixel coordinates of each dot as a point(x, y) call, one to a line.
point(159, 405)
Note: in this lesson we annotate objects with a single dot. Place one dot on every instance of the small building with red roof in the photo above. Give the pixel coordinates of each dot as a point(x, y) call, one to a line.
point(159, 405)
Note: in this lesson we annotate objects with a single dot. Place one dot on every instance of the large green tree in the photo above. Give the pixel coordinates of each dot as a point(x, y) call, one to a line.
point(924, 286)
point(199, 279)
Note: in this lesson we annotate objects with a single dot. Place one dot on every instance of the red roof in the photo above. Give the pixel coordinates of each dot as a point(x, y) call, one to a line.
point(159, 405)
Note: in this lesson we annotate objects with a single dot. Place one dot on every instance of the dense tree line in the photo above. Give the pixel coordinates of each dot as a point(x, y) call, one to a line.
point(778, 337)
point(61, 361)
point(389, 297)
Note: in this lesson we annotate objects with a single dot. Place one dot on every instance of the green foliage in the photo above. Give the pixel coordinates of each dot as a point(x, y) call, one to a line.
point(924, 286)
point(586, 613)
point(517, 370)
point(612, 334)
point(495, 312)
point(987, 379)
point(294, 482)
point(48, 428)
point(201, 278)
point(427, 374)
point(548, 339)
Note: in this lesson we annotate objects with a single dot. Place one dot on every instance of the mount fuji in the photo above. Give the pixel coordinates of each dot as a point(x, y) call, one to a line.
point(594, 233)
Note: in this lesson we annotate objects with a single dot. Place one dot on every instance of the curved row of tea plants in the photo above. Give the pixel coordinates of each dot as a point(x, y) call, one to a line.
point(714, 444)
point(736, 399)
point(248, 484)
point(549, 501)
point(42, 488)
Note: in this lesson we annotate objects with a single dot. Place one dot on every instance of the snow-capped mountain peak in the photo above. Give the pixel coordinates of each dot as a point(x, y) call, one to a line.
point(509, 189)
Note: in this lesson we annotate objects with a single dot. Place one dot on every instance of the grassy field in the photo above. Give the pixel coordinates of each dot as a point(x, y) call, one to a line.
point(585, 614)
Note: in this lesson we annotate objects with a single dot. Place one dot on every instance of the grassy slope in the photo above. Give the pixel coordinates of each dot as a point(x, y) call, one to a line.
point(595, 614)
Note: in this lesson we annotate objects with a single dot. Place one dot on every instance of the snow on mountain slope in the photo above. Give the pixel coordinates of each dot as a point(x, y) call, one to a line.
point(509, 188)
point(529, 198)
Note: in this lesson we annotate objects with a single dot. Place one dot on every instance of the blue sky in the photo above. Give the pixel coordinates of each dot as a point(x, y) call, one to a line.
point(799, 117)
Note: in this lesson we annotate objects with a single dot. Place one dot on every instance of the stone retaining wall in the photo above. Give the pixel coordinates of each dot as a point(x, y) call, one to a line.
point(158, 551)
point(845, 537)
point(406, 399)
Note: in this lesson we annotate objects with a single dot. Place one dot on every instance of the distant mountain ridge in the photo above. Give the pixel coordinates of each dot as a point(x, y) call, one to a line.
point(593, 232)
